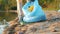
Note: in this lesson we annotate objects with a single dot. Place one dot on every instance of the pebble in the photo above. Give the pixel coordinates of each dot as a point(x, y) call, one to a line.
point(21, 33)
point(24, 29)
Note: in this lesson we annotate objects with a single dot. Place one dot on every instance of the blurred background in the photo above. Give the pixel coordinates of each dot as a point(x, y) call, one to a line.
point(8, 8)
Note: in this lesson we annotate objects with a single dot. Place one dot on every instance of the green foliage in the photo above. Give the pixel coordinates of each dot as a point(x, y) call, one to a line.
point(7, 4)
point(45, 3)
point(12, 4)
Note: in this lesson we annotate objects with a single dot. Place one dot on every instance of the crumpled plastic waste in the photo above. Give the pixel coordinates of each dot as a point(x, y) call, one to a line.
point(33, 12)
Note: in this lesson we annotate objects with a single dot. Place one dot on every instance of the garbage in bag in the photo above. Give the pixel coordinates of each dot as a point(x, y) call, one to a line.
point(33, 12)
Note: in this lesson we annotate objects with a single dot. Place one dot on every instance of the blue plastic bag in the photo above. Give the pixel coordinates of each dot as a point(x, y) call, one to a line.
point(37, 13)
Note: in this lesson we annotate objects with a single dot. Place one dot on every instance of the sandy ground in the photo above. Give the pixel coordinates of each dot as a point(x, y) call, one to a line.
point(50, 26)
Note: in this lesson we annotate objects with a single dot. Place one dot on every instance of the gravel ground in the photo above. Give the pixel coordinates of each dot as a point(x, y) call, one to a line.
point(50, 26)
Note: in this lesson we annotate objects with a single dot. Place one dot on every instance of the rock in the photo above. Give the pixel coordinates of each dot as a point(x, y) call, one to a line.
point(13, 22)
point(17, 28)
point(21, 33)
point(24, 29)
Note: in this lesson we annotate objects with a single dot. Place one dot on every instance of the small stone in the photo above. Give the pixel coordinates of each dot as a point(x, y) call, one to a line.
point(53, 30)
point(24, 29)
point(33, 29)
point(17, 28)
point(41, 31)
point(21, 33)
point(11, 23)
